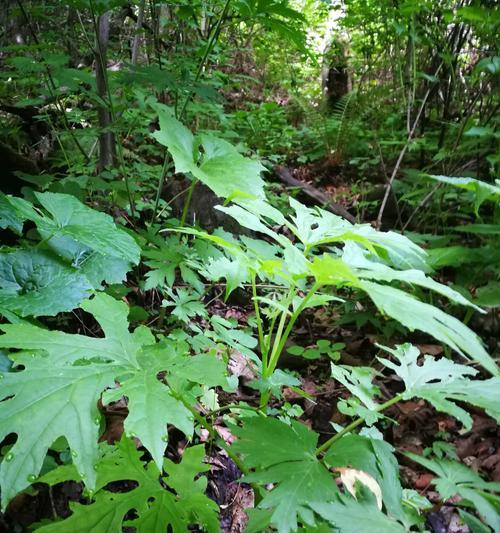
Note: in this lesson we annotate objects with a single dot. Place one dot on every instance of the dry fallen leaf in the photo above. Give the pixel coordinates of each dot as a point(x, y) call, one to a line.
point(430, 349)
point(240, 366)
point(349, 476)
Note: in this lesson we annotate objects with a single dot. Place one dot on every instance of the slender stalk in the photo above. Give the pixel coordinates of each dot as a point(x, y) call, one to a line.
point(211, 431)
point(201, 66)
point(270, 333)
point(187, 203)
point(277, 340)
point(260, 330)
point(52, 88)
point(315, 288)
point(118, 144)
point(160, 186)
point(353, 425)
point(268, 369)
point(282, 335)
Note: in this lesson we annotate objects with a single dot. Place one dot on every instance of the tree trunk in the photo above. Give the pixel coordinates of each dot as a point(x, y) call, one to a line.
point(138, 31)
point(107, 151)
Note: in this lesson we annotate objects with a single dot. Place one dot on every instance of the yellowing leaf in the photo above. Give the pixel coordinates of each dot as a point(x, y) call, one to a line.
point(350, 476)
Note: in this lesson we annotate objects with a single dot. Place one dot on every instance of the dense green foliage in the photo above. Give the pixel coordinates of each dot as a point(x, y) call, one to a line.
point(141, 140)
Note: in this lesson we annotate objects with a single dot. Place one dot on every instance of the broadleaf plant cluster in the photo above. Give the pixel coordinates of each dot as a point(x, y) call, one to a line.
point(291, 262)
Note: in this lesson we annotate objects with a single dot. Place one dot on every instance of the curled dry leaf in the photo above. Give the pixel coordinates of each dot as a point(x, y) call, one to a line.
point(241, 366)
point(349, 476)
point(225, 434)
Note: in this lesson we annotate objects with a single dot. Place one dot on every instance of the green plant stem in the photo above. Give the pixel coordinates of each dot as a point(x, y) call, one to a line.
point(268, 369)
point(468, 315)
point(353, 425)
point(263, 347)
point(201, 66)
point(315, 288)
point(161, 183)
point(187, 203)
point(211, 431)
point(273, 360)
point(282, 335)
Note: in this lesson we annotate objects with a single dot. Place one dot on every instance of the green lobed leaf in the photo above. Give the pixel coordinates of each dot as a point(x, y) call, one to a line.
point(366, 268)
point(358, 381)
point(376, 458)
point(418, 315)
point(351, 516)
point(151, 408)
point(213, 161)
point(482, 191)
point(316, 227)
point(488, 295)
point(63, 402)
point(9, 217)
point(156, 508)
point(35, 282)
point(70, 220)
point(454, 478)
point(456, 256)
point(64, 376)
point(443, 383)
point(299, 477)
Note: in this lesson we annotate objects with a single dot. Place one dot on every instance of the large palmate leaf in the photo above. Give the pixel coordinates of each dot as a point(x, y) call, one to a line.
point(482, 191)
point(36, 282)
point(151, 408)
point(443, 383)
point(80, 249)
point(63, 378)
point(171, 256)
point(157, 509)
point(367, 255)
point(87, 240)
point(454, 479)
point(213, 161)
point(8, 215)
point(60, 395)
point(302, 483)
point(376, 458)
point(365, 267)
point(299, 477)
point(69, 222)
point(316, 227)
point(415, 314)
point(352, 516)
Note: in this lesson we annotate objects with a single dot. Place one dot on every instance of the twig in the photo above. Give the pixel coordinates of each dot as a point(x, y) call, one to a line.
point(423, 202)
point(388, 188)
point(52, 86)
point(317, 195)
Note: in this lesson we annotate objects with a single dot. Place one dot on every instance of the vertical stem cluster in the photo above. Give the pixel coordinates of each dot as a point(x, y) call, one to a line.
point(272, 348)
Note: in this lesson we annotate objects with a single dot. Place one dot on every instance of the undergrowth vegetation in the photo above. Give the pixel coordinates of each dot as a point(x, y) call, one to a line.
point(203, 245)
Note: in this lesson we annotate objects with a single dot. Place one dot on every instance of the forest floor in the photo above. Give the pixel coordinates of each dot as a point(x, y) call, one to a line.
point(417, 425)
